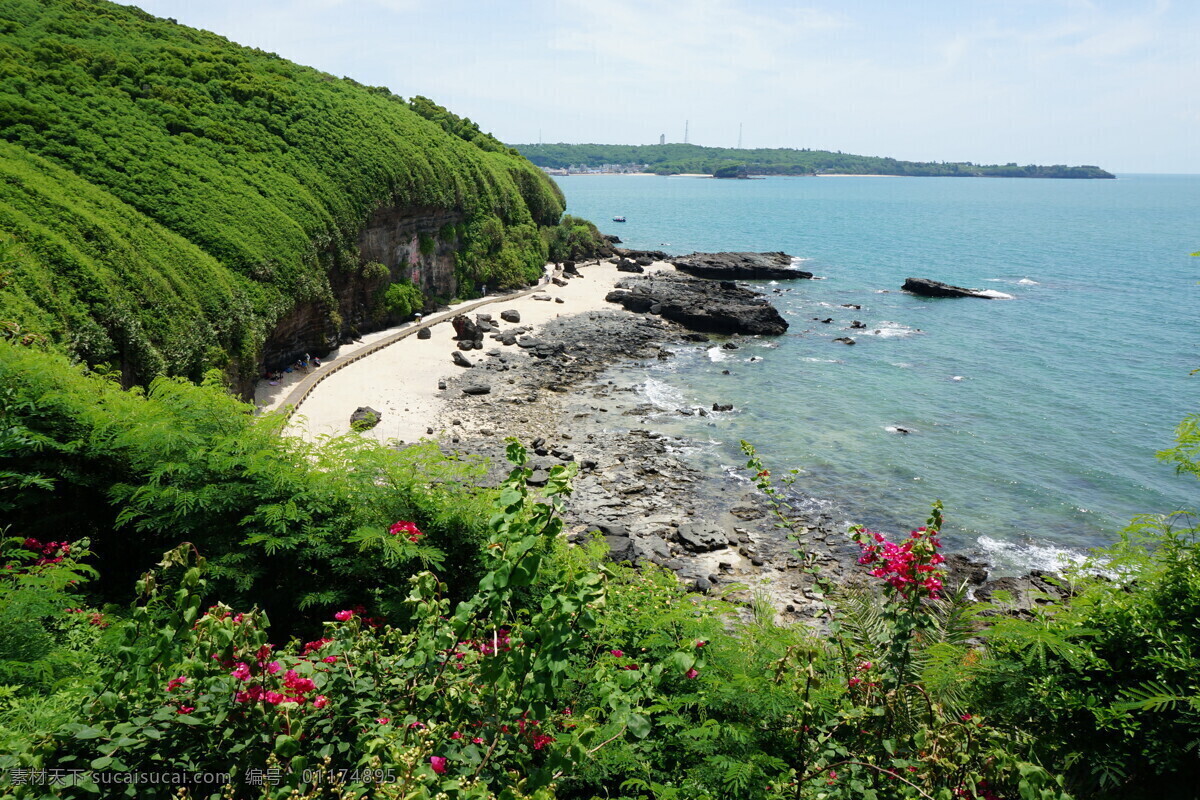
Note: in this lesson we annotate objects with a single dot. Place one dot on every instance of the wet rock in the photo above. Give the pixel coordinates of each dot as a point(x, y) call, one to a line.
point(844, 340)
point(458, 358)
point(626, 265)
point(722, 406)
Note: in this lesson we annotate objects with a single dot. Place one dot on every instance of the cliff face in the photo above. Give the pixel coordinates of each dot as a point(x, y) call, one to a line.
point(393, 237)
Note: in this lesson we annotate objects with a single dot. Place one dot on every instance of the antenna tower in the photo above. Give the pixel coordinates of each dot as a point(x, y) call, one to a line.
point(685, 131)
point(739, 136)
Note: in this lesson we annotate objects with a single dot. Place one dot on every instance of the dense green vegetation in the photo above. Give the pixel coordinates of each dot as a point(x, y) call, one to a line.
point(373, 609)
point(673, 159)
point(168, 196)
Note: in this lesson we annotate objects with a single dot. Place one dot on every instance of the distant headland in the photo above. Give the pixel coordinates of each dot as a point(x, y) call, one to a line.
point(727, 162)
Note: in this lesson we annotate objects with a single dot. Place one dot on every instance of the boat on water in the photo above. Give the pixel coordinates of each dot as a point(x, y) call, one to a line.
point(618, 219)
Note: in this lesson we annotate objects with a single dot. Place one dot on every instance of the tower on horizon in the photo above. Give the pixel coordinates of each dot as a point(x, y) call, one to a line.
point(686, 122)
point(662, 138)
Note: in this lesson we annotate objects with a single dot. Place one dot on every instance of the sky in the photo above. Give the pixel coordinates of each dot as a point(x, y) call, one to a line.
point(1115, 83)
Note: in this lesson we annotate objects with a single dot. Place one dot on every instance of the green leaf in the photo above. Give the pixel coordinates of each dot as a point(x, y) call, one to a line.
point(639, 726)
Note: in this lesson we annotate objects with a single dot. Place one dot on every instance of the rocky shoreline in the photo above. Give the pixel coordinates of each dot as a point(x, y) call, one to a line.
point(641, 489)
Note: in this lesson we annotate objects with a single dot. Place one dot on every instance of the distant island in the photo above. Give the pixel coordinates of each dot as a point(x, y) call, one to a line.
point(675, 159)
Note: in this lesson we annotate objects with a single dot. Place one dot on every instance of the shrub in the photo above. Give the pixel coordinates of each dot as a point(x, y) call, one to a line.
point(403, 299)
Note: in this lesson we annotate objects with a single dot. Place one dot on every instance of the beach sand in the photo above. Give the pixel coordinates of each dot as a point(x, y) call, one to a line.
point(401, 380)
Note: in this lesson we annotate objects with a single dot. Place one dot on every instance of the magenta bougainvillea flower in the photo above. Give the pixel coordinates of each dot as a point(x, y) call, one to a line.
point(342, 616)
point(438, 763)
point(910, 568)
point(408, 529)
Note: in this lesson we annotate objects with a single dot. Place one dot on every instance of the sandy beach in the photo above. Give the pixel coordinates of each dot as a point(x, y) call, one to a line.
point(401, 380)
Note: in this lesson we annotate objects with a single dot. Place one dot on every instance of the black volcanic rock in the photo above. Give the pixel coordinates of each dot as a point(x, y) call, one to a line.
point(744, 266)
point(928, 288)
point(700, 305)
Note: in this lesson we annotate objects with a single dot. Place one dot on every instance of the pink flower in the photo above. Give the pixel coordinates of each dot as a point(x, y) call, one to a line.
point(383, 720)
point(438, 763)
point(312, 647)
point(456, 735)
point(241, 672)
point(966, 717)
point(342, 616)
point(691, 673)
point(408, 529)
point(417, 725)
point(186, 709)
point(273, 667)
point(864, 666)
point(274, 698)
point(616, 653)
point(477, 740)
point(855, 681)
point(250, 695)
point(541, 740)
point(320, 701)
point(297, 684)
point(175, 683)
point(330, 659)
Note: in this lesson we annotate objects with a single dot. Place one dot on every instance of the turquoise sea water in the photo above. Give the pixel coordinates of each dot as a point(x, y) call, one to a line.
point(1047, 440)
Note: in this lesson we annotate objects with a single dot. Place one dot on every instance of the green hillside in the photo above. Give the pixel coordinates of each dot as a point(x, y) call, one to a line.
point(170, 197)
point(673, 159)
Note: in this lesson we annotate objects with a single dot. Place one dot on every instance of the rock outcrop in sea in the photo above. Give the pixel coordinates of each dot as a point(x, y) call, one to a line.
point(700, 305)
point(739, 266)
point(928, 288)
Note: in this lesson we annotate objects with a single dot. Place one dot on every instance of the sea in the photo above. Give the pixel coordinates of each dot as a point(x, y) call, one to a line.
point(1035, 417)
